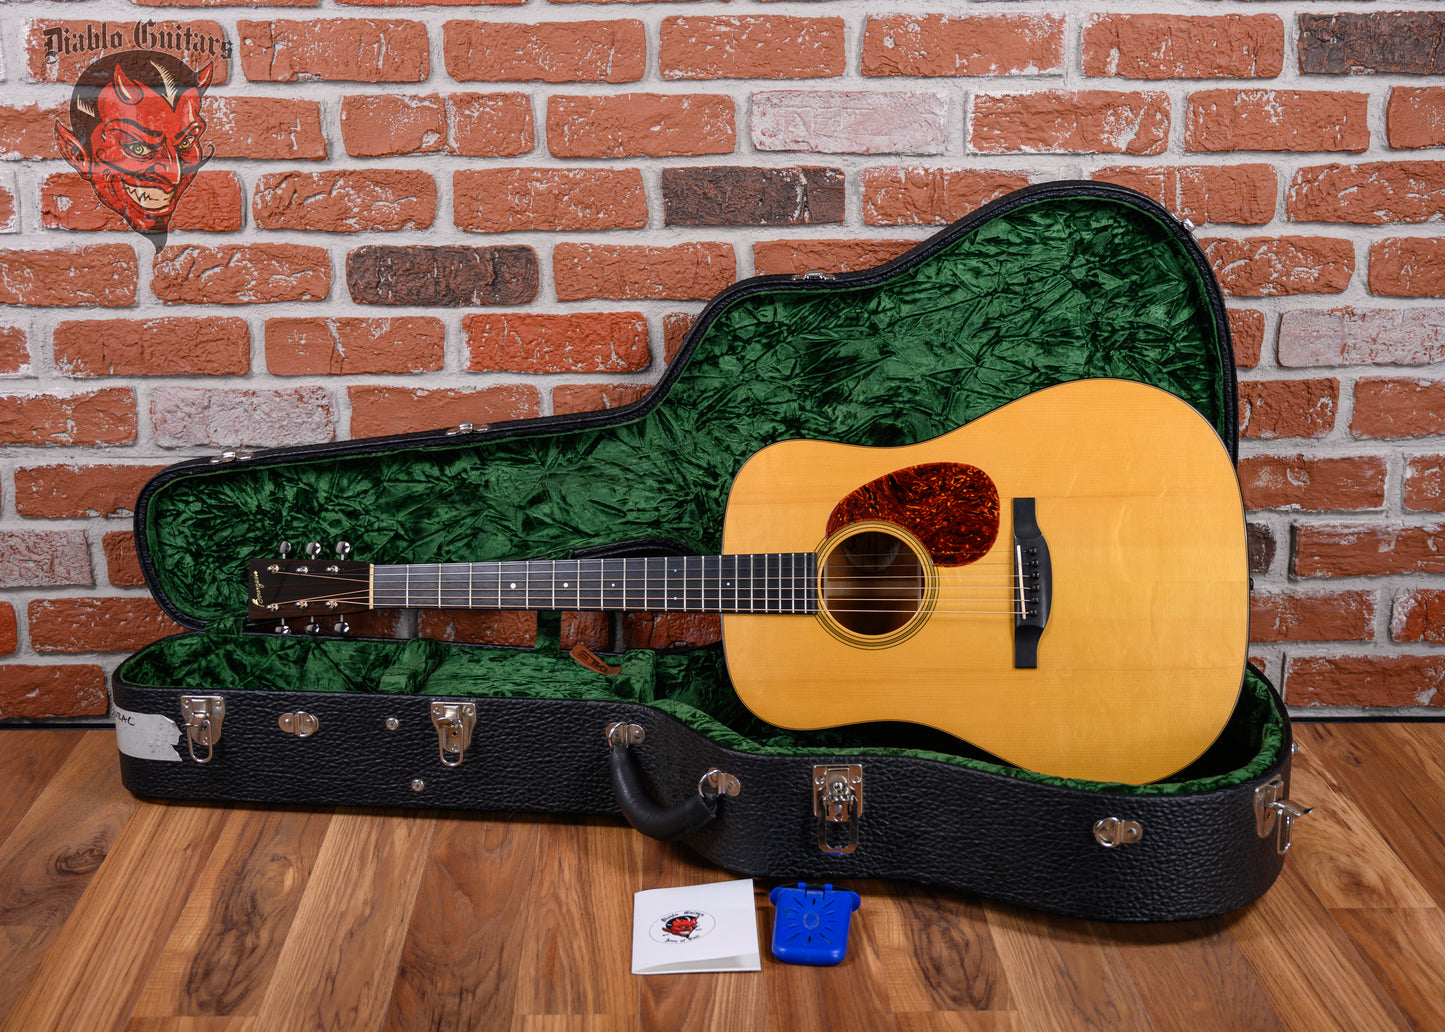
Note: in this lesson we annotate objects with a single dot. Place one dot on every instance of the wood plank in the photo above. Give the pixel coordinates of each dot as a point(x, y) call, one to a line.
point(1191, 975)
point(1064, 974)
point(339, 960)
point(97, 967)
point(29, 758)
point(228, 939)
point(459, 963)
point(734, 1000)
point(1405, 949)
point(53, 852)
point(1398, 796)
point(193, 1023)
point(961, 1021)
point(937, 951)
point(1339, 850)
point(1307, 966)
point(575, 955)
point(833, 997)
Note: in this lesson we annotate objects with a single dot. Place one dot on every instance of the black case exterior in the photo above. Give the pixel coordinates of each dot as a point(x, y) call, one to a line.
point(1008, 838)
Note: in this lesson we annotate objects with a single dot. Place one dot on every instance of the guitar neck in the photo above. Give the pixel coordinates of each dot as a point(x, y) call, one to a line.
point(764, 583)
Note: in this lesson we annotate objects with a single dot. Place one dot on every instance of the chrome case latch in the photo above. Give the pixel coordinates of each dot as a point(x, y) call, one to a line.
point(203, 715)
point(1273, 814)
point(838, 799)
point(454, 722)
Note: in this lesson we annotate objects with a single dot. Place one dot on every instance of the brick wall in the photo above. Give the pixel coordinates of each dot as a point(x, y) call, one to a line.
point(423, 213)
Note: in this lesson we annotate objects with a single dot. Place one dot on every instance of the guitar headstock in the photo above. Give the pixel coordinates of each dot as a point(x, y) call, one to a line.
point(281, 588)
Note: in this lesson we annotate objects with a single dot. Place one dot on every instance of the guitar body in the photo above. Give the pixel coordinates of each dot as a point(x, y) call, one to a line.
point(1141, 661)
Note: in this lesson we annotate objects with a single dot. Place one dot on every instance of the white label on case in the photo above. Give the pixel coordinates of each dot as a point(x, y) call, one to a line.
point(147, 736)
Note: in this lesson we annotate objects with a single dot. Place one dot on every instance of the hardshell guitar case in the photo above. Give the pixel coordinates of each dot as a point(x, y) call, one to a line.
point(1055, 283)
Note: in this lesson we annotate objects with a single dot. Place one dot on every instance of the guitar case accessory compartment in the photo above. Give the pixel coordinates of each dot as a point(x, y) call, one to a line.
point(1053, 284)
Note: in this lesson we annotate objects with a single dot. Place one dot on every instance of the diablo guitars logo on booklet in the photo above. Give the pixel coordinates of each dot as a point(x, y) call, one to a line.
point(136, 130)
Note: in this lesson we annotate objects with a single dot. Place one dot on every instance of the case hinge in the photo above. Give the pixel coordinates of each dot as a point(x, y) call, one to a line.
point(454, 722)
point(202, 715)
point(1273, 814)
point(1116, 831)
point(838, 799)
point(300, 723)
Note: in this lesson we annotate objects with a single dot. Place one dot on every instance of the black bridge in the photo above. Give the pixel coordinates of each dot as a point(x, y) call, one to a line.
point(1033, 584)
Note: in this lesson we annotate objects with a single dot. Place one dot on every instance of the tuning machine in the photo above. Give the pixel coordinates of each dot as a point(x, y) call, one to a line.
point(343, 549)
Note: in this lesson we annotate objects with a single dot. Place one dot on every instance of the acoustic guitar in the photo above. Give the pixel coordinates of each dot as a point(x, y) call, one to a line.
point(1062, 582)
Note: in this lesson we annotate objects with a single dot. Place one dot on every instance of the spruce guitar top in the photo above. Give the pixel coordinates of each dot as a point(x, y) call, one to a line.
point(1062, 582)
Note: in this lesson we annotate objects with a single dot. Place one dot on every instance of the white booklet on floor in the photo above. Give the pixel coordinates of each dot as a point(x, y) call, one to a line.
point(710, 927)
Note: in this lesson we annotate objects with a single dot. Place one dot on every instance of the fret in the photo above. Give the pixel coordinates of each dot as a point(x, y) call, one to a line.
point(614, 584)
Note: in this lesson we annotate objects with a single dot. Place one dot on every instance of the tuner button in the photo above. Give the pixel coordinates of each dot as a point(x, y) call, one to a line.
point(284, 549)
point(343, 548)
point(313, 549)
point(282, 629)
point(313, 628)
point(342, 627)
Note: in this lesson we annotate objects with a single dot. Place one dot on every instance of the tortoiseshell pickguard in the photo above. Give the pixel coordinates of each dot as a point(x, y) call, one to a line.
point(949, 506)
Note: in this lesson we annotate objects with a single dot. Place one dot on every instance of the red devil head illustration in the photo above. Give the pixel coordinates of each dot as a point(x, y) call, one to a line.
point(135, 134)
point(681, 926)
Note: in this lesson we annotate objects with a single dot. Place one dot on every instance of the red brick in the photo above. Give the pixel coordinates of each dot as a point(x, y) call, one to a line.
point(334, 49)
point(99, 274)
point(655, 125)
point(490, 125)
point(30, 691)
point(943, 44)
point(9, 631)
point(14, 350)
point(27, 131)
point(1373, 193)
point(114, 624)
point(913, 195)
point(122, 562)
point(190, 416)
point(499, 200)
point(1276, 120)
point(345, 201)
point(240, 274)
point(265, 128)
point(1419, 615)
point(675, 328)
point(44, 558)
point(593, 630)
point(211, 204)
point(1367, 549)
point(81, 43)
point(70, 490)
point(1313, 483)
point(9, 210)
point(772, 257)
point(1415, 117)
point(581, 51)
point(1070, 122)
point(587, 342)
point(592, 397)
point(153, 347)
point(1361, 336)
point(670, 630)
point(399, 410)
point(479, 626)
point(1246, 329)
point(624, 272)
point(1311, 616)
point(347, 346)
point(850, 121)
point(1424, 489)
point(1398, 408)
point(1373, 680)
point(1272, 266)
point(751, 47)
point(387, 124)
point(1240, 194)
point(98, 417)
point(1408, 267)
point(1271, 409)
point(1176, 46)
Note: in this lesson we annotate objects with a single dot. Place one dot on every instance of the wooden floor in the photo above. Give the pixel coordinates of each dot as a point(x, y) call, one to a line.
point(118, 914)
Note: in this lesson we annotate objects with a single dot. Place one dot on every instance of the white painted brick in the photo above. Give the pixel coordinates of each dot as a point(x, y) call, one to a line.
point(850, 122)
point(188, 416)
point(1362, 336)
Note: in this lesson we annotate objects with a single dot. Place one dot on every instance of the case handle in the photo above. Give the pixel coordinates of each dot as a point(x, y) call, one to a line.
point(666, 823)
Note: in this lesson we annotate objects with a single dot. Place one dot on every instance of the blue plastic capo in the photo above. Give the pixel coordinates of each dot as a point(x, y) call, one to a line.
point(811, 924)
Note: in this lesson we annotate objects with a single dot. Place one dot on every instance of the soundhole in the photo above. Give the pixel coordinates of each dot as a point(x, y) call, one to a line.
point(872, 583)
